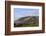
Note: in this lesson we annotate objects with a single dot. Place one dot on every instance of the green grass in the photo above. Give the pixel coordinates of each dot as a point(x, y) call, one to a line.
point(27, 25)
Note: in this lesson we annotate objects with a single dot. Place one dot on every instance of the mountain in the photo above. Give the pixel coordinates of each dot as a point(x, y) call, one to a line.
point(27, 20)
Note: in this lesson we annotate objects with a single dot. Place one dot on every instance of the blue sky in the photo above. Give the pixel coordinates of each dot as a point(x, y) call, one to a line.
point(22, 12)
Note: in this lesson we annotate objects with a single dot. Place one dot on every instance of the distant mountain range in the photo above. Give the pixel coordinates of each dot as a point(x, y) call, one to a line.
point(27, 20)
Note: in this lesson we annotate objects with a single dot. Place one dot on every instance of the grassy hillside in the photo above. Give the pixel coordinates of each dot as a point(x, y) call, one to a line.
point(29, 21)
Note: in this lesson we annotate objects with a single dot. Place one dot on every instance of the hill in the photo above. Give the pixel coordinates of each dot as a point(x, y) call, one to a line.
point(27, 21)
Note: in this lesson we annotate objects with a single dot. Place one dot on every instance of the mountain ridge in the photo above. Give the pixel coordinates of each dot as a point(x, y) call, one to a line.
point(27, 20)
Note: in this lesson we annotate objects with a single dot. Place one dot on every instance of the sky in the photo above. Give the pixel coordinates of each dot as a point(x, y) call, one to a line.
point(22, 12)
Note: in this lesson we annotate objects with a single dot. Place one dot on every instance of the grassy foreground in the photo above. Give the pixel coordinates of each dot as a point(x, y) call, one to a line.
point(27, 25)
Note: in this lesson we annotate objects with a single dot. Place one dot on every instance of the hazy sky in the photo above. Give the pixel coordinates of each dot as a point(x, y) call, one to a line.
point(22, 12)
